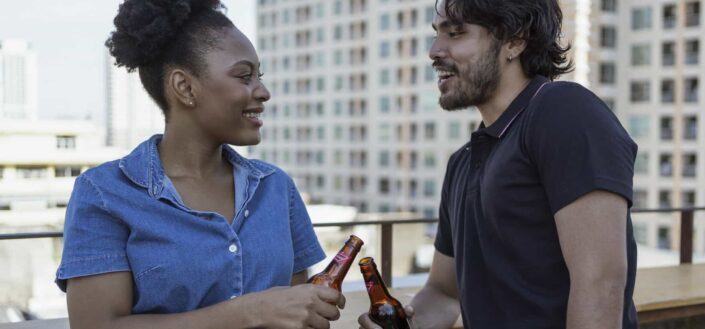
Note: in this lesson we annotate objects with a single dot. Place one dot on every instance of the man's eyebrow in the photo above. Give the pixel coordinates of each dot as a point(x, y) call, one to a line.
point(443, 25)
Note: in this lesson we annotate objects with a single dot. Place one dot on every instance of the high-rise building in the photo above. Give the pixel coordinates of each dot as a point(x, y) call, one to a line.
point(661, 102)
point(131, 115)
point(18, 80)
point(354, 115)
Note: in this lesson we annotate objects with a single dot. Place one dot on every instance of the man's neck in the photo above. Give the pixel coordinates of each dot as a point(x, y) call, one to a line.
point(510, 86)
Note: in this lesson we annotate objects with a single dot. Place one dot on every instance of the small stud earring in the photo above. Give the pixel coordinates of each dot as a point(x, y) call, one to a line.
point(510, 58)
point(190, 103)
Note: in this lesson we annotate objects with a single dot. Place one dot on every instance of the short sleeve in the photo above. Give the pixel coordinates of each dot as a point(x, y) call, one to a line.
point(578, 146)
point(444, 241)
point(94, 241)
point(307, 250)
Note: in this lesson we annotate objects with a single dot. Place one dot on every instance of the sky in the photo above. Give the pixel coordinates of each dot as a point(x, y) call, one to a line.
point(68, 37)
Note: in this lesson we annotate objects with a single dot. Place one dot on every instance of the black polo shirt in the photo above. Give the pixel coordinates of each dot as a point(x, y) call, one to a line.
point(556, 142)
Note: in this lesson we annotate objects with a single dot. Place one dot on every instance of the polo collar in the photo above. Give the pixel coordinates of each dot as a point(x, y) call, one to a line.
point(521, 102)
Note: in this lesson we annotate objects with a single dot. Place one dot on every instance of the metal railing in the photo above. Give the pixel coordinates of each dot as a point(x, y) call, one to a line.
point(686, 234)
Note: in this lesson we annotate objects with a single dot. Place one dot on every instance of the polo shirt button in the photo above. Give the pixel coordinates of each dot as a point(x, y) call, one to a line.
point(247, 213)
point(233, 248)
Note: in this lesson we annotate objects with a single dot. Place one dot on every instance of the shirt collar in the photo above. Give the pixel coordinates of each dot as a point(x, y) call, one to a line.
point(143, 166)
point(499, 127)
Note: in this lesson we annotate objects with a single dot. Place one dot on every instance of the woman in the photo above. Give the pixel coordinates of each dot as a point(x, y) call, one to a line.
point(184, 232)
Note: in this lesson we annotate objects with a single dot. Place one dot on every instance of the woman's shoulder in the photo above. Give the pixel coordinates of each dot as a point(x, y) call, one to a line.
point(103, 175)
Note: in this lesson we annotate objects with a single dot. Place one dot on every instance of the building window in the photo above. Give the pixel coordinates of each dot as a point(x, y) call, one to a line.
point(384, 49)
point(691, 90)
point(690, 164)
point(429, 188)
point(641, 233)
point(67, 171)
point(669, 16)
point(2, 172)
point(430, 13)
point(664, 237)
point(384, 186)
point(609, 5)
point(692, 14)
point(666, 128)
point(691, 128)
point(641, 55)
point(454, 130)
point(66, 142)
point(641, 18)
point(429, 160)
point(640, 91)
point(430, 131)
point(384, 159)
point(688, 199)
point(666, 165)
point(31, 172)
point(668, 54)
point(641, 199)
point(668, 91)
point(384, 104)
point(384, 22)
point(608, 37)
point(607, 73)
point(641, 165)
point(692, 51)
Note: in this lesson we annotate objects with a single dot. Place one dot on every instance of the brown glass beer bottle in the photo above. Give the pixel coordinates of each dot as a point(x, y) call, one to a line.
point(385, 310)
point(335, 272)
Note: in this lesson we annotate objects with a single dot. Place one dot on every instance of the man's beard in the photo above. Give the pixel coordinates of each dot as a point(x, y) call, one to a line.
point(475, 82)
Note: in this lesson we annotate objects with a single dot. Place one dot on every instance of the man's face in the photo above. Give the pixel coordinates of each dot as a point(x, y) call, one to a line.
point(466, 58)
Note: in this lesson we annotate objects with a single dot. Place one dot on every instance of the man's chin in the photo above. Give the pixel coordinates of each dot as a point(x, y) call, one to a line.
point(453, 103)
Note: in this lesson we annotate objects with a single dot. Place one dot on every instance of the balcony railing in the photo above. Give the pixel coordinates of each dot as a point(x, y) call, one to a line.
point(686, 230)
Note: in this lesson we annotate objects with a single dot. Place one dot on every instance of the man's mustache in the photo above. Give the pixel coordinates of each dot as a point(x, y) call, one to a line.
point(444, 66)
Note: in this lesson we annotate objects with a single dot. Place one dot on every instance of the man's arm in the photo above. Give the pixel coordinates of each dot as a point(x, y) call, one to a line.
point(592, 234)
point(436, 305)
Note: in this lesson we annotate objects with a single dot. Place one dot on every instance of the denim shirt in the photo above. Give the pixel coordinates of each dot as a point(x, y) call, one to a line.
point(126, 215)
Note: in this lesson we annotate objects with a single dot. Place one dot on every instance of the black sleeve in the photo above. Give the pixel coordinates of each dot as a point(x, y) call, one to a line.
point(444, 239)
point(578, 146)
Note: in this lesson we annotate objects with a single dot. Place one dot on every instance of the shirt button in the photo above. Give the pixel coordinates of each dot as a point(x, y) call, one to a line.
point(233, 248)
point(247, 213)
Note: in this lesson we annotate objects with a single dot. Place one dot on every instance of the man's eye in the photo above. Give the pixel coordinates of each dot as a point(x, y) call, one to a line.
point(454, 34)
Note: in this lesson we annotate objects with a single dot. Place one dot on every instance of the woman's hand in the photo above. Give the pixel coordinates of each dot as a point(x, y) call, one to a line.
point(299, 307)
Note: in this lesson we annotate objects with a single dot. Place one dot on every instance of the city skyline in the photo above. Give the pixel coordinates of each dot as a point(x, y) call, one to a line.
point(68, 38)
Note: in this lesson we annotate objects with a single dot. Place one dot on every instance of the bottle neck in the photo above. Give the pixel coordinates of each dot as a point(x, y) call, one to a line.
point(376, 288)
point(339, 266)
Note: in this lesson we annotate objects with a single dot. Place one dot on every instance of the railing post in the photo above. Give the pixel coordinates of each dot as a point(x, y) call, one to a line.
point(686, 252)
point(387, 230)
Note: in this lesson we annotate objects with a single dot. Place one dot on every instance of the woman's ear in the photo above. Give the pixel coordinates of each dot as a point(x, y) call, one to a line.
point(181, 85)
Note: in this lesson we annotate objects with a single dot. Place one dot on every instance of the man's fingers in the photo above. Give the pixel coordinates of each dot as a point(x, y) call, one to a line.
point(409, 310)
point(366, 323)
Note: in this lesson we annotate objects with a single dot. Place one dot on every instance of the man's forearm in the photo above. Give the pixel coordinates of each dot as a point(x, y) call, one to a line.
point(434, 310)
point(597, 304)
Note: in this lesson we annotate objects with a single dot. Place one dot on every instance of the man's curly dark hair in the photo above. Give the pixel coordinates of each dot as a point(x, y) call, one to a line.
point(154, 35)
point(538, 22)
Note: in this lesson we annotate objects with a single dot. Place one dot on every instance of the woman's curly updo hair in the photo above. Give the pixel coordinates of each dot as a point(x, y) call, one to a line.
point(538, 22)
point(154, 35)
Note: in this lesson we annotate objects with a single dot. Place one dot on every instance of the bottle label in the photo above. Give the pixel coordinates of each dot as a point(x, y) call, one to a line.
point(341, 258)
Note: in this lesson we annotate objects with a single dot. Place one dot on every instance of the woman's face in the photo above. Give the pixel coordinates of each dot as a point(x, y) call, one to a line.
point(231, 98)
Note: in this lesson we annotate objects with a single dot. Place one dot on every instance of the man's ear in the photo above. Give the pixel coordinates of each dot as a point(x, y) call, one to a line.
point(514, 48)
point(182, 85)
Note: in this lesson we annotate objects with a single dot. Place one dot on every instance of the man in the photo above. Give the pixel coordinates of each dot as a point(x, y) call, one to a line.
point(534, 227)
